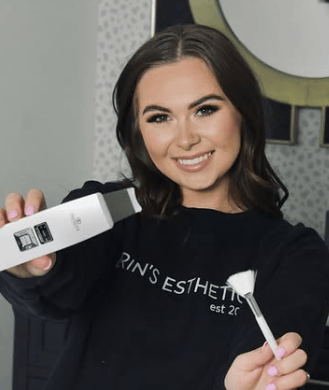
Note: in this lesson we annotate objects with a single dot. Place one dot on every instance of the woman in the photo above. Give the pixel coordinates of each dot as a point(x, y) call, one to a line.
point(148, 300)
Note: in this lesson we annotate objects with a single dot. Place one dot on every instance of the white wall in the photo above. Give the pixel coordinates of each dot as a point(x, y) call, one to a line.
point(47, 74)
point(296, 45)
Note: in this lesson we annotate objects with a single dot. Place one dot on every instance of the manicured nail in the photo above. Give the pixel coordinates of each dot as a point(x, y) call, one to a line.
point(13, 214)
point(29, 210)
point(272, 371)
point(47, 265)
point(264, 345)
point(270, 386)
point(280, 352)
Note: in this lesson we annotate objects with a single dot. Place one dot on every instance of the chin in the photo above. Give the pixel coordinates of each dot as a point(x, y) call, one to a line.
point(200, 187)
point(206, 186)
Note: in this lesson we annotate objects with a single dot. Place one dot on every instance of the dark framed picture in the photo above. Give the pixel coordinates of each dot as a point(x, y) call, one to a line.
point(280, 122)
point(280, 118)
point(324, 133)
point(170, 12)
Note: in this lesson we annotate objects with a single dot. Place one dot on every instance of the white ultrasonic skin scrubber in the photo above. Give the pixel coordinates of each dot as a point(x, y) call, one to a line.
point(62, 226)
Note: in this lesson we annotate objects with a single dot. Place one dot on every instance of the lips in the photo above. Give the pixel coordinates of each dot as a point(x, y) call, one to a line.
point(194, 163)
point(195, 160)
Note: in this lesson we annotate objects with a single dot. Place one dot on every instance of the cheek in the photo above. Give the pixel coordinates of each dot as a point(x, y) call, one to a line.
point(151, 144)
point(227, 134)
point(157, 150)
point(234, 130)
point(155, 142)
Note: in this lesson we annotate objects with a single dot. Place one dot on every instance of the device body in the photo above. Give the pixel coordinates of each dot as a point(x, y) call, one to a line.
point(62, 226)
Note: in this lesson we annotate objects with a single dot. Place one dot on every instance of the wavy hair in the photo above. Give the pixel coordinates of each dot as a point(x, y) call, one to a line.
point(253, 184)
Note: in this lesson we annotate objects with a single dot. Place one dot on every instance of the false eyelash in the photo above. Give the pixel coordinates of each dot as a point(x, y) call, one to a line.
point(212, 109)
point(153, 118)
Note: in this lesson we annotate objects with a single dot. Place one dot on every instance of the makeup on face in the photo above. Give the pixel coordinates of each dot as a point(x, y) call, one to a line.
point(190, 107)
point(190, 128)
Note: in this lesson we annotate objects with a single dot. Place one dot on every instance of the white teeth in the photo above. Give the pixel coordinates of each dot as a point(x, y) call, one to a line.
point(194, 161)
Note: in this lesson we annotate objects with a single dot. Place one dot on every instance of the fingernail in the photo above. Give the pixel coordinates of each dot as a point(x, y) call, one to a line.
point(47, 265)
point(272, 371)
point(280, 352)
point(264, 345)
point(270, 386)
point(29, 210)
point(13, 214)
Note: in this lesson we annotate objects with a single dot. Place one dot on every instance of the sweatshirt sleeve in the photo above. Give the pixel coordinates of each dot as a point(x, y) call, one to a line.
point(292, 291)
point(80, 271)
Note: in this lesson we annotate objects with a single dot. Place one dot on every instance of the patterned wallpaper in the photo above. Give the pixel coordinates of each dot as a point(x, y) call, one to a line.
point(304, 168)
point(123, 26)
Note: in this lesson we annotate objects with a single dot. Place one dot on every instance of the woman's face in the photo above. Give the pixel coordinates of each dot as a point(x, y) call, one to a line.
point(190, 129)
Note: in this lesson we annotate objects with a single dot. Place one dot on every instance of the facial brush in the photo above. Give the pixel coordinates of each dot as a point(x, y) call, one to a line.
point(243, 283)
point(62, 226)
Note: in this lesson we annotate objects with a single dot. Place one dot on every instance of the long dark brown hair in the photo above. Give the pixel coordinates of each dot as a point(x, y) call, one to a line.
point(254, 184)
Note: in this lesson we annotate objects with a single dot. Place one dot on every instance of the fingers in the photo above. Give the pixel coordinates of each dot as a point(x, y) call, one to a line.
point(288, 382)
point(255, 359)
point(14, 204)
point(291, 363)
point(41, 265)
point(16, 208)
point(289, 343)
point(288, 373)
point(35, 201)
point(259, 369)
point(37, 267)
point(3, 217)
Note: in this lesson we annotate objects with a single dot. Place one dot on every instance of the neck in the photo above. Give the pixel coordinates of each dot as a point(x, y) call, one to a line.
point(207, 200)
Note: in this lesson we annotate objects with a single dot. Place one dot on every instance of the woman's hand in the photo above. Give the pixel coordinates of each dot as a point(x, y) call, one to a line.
point(260, 370)
point(17, 208)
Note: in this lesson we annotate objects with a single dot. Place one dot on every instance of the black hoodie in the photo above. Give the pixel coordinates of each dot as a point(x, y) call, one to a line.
point(149, 304)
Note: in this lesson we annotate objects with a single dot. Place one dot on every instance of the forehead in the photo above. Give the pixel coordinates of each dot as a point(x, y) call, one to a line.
point(187, 79)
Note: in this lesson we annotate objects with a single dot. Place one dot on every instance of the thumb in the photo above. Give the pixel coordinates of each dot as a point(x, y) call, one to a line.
point(256, 358)
point(247, 368)
point(41, 265)
point(36, 267)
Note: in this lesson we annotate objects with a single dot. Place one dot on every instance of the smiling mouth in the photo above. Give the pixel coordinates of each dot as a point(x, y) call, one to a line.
point(196, 160)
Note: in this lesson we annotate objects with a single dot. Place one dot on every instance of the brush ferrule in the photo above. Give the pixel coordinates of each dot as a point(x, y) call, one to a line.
point(253, 305)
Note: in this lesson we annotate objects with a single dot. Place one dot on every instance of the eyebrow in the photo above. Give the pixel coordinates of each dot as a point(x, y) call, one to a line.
point(192, 105)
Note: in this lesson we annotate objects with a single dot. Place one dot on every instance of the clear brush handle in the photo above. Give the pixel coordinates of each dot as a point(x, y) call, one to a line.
point(262, 323)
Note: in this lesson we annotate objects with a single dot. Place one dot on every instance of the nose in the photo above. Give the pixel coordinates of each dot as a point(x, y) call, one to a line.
point(186, 135)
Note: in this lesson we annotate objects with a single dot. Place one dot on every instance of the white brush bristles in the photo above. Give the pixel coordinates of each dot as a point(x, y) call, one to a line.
point(243, 282)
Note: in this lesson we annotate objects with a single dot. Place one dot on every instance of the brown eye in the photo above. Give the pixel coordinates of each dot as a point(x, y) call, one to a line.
point(207, 110)
point(159, 118)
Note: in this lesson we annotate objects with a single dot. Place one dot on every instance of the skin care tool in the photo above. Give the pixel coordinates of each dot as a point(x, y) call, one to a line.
point(62, 226)
point(243, 283)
